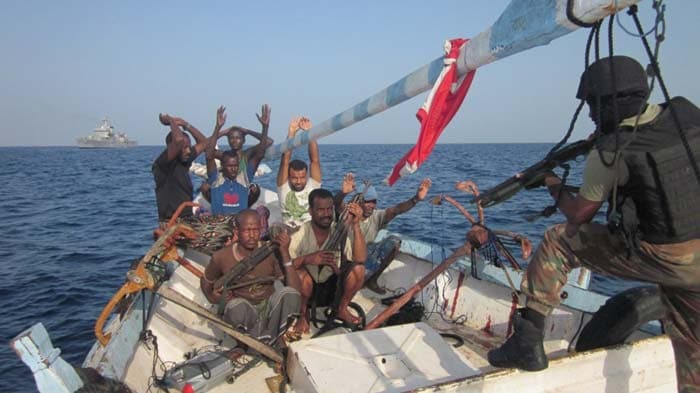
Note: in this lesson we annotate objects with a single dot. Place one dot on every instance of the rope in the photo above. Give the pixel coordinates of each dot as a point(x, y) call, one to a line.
point(660, 20)
point(577, 112)
point(614, 97)
point(572, 18)
point(593, 36)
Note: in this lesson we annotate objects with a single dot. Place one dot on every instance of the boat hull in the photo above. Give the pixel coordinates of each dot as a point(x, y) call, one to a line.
point(477, 310)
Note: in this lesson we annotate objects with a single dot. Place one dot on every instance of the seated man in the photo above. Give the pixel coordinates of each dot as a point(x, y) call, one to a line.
point(263, 308)
point(373, 219)
point(228, 196)
point(293, 181)
point(320, 269)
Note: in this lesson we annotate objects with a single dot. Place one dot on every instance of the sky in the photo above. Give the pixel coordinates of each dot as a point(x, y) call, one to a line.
point(66, 64)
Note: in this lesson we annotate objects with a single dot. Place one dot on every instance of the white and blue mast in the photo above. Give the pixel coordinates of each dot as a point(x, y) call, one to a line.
point(524, 24)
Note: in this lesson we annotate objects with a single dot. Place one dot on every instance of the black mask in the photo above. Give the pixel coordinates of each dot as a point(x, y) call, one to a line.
point(614, 110)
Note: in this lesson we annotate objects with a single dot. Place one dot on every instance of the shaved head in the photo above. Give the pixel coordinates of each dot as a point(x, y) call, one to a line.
point(248, 229)
point(245, 215)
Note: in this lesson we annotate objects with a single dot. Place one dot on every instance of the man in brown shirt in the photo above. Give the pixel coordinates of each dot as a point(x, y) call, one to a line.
point(263, 308)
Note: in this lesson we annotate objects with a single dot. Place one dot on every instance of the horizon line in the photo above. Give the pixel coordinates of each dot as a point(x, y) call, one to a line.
point(325, 144)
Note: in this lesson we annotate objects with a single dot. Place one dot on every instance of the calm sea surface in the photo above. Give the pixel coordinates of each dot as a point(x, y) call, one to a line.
point(76, 219)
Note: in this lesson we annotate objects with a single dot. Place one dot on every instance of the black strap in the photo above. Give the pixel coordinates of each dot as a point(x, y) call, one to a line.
point(572, 18)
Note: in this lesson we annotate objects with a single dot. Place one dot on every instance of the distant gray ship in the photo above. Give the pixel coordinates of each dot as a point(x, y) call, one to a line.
point(105, 137)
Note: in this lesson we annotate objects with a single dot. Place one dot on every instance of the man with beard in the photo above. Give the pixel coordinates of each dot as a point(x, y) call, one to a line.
point(322, 271)
point(171, 168)
point(263, 308)
point(293, 182)
point(373, 220)
point(644, 169)
point(228, 196)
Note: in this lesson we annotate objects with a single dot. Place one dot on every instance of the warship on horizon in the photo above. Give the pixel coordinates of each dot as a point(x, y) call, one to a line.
point(105, 137)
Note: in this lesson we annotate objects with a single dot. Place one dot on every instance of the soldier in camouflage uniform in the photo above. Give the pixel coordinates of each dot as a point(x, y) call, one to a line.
point(658, 197)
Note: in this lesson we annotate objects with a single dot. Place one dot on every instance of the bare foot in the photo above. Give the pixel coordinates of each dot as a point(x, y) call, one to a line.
point(302, 326)
point(347, 317)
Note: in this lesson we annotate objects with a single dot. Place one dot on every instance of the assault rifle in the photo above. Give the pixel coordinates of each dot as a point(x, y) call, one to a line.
point(341, 230)
point(533, 176)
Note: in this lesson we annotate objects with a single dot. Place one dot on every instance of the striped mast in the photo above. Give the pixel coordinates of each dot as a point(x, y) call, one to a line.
point(524, 24)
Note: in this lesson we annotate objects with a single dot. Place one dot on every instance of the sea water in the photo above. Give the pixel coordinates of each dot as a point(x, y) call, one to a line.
point(74, 220)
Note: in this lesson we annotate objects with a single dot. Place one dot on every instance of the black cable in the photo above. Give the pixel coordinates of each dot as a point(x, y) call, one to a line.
point(459, 340)
point(614, 96)
point(572, 123)
point(572, 18)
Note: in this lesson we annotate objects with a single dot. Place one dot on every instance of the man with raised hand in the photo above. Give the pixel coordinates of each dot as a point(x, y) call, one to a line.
point(373, 220)
point(171, 168)
point(249, 159)
point(228, 196)
point(295, 180)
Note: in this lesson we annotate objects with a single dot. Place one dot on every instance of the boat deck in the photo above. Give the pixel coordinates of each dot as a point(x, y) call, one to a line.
point(482, 308)
point(179, 332)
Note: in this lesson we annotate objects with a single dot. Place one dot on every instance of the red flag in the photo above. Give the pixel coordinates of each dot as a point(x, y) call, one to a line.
point(439, 108)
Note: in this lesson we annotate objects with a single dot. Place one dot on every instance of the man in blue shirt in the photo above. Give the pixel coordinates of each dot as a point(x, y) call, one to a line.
point(228, 196)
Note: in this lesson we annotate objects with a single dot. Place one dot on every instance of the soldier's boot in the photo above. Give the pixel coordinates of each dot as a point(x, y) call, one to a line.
point(524, 349)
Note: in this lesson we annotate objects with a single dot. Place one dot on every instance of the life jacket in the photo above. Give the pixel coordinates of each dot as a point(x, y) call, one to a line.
point(662, 184)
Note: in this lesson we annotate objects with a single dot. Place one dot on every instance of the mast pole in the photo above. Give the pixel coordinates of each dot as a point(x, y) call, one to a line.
point(524, 24)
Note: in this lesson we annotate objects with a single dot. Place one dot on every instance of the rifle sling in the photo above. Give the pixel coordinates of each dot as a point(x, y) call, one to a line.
point(244, 266)
point(238, 271)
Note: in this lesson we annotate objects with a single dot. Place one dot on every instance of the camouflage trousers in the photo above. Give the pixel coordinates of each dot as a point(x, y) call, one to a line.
point(674, 267)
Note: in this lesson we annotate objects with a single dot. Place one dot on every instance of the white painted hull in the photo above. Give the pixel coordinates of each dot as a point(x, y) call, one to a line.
point(643, 366)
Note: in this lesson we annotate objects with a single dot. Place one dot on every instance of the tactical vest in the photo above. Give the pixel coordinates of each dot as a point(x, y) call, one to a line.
point(662, 184)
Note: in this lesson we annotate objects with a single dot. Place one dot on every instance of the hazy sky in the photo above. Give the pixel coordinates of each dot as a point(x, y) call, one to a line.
point(65, 64)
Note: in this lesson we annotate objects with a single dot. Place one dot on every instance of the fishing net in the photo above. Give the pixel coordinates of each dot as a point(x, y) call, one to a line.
point(213, 232)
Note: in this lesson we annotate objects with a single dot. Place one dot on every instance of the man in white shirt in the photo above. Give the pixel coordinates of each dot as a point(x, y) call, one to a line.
point(293, 181)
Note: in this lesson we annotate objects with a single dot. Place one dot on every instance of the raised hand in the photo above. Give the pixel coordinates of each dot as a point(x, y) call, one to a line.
point(423, 188)
point(305, 123)
point(264, 117)
point(293, 126)
point(348, 183)
point(354, 213)
point(220, 117)
point(164, 119)
point(467, 186)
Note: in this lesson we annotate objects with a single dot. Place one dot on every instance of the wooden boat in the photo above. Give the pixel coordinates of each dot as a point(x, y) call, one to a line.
point(473, 311)
point(409, 357)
